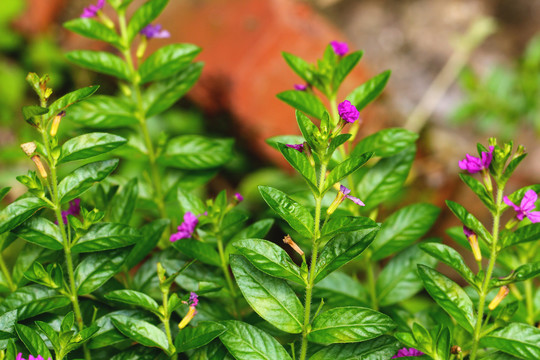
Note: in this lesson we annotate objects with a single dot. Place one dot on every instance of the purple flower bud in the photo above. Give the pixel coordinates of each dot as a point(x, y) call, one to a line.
point(525, 209)
point(155, 32)
point(340, 48)
point(299, 147)
point(300, 87)
point(345, 191)
point(348, 111)
point(473, 164)
point(186, 229)
point(92, 10)
point(239, 197)
point(468, 232)
point(407, 352)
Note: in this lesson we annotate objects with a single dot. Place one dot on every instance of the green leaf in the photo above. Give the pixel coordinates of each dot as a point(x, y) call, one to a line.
point(89, 145)
point(195, 152)
point(479, 189)
point(469, 220)
point(349, 324)
point(70, 98)
point(33, 300)
point(299, 162)
point(96, 269)
point(202, 251)
point(386, 178)
point(511, 167)
point(189, 202)
point(93, 29)
point(274, 141)
point(163, 94)
point(386, 142)
point(141, 331)
point(344, 67)
point(167, 61)
point(303, 101)
point(298, 217)
point(299, 66)
point(42, 232)
point(143, 16)
point(194, 337)
point(245, 341)
point(309, 131)
point(527, 271)
point(404, 227)
point(4, 191)
point(8, 321)
point(258, 229)
point(32, 341)
point(523, 234)
point(368, 91)
point(123, 203)
point(520, 340)
point(18, 211)
point(104, 112)
point(269, 258)
point(346, 168)
point(80, 180)
point(450, 257)
point(31, 111)
point(342, 224)
point(383, 347)
point(132, 297)
point(450, 296)
point(150, 235)
point(270, 297)
point(342, 249)
point(213, 351)
point(100, 61)
point(399, 279)
point(106, 236)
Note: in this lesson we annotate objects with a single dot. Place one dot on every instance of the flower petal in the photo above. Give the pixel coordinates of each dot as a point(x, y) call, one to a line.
point(355, 200)
point(534, 216)
point(509, 203)
point(527, 203)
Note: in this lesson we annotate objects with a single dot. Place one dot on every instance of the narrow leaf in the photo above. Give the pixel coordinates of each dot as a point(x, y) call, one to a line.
point(141, 331)
point(303, 101)
point(89, 145)
point(42, 232)
point(386, 142)
point(18, 211)
point(194, 152)
point(167, 61)
point(194, 337)
point(100, 61)
point(368, 91)
point(106, 236)
point(96, 269)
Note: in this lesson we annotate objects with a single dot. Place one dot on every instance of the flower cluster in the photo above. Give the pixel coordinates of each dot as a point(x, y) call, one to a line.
point(92, 10)
point(155, 32)
point(186, 229)
point(31, 357)
point(348, 111)
point(474, 164)
point(407, 352)
point(525, 209)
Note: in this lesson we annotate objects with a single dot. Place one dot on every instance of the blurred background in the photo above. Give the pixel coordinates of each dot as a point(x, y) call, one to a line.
point(462, 71)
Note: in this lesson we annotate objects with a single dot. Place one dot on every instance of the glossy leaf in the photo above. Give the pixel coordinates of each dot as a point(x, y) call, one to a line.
point(269, 258)
point(141, 331)
point(299, 162)
point(202, 251)
point(274, 141)
point(150, 235)
point(385, 178)
point(258, 229)
point(450, 257)
point(89, 145)
point(298, 217)
point(469, 220)
point(81, 179)
point(103, 112)
point(523, 234)
point(246, 341)
point(383, 347)
point(100, 61)
point(342, 224)
point(18, 211)
point(96, 269)
point(479, 189)
point(270, 297)
point(527, 271)
point(450, 296)
point(520, 340)
point(123, 203)
point(132, 297)
point(403, 228)
point(71, 98)
point(143, 16)
point(42, 232)
point(106, 236)
point(346, 168)
point(349, 324)
point(33, 300)
point(386, 142)
point(299, 66)
point(342, 249)
point(167, 61)
point(344, 67)
point(308, 129)
point(303, 101)
point(339, 289)
point(368, 91)
point(32, 341)
point(194, 152)
point(194, 337)
point(93, 29)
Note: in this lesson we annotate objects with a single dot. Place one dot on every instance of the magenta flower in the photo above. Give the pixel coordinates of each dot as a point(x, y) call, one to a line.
point(340, 48)
point(473, 164)
point(468, 232)
point(39, 357)
point(407, 352)
point(186, 229)
point(345, 191)
point(74, 209)
point(155, 32)
point(300, 87)
point(239, 197)
point(193, 299)
point(299, 147)
point(348, 111)
point(92, 10)
point(526, 206)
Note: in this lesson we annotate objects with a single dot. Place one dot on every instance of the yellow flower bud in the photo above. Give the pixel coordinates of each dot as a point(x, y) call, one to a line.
point(189, 316)
point(503, 291)
point(289, 241)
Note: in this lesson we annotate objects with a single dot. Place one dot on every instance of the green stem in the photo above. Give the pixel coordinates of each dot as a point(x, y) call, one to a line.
point(225, 269)
point(7, 275)
point(166, 324)
point(529, 301)
point(487, 278)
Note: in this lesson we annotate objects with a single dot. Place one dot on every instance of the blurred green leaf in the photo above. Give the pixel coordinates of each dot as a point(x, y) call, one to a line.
point(167, 61)
point(100, 61)
point(195, 152)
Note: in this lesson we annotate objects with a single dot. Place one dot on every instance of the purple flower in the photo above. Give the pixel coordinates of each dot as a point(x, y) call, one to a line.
point(348, 111)
point(74, 209)
point(468, 232)
point(186, 229)
point(239, 197)
point(340, 48)
point(193, 299)
point(92, 10)
point(526, 206)
point(407, 352)
point(300, 87)
point(473, 164)
point(39, 357)
point(299, 147)
point(155, 32)
point(345, 191)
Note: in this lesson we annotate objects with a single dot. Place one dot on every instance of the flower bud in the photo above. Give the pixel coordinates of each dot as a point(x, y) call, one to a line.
point(289, 241)
point(56, 122)
point(455, 349)
point(41, 169)
point(503, 291)
point(161, 272)
point(473, 241)
point(189, 316)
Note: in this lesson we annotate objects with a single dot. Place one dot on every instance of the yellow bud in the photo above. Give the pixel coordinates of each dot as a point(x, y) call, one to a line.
point(189, 316)
point(56, 123)
point(289, 241)
point(503, 291)
point(473, 241)
point(39, 166)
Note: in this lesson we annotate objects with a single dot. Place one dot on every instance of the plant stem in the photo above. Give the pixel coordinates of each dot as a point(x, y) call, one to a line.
point(7, 275)
point(225, 269)
point(489, 272)
point(529, 301)
point(166, 323)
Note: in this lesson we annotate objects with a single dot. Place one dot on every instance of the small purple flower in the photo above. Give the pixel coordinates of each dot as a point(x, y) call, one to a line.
point(300, 87)
point(340, 48)
point(526, 206)
point(193, 299)
point(74, 209)
point(155, 32)
point(468, 232)
point(473, 164)
point(39, 357)
point(345, 191)
point(407, 352)
point(92, 10)
point(186, 229)
point(239, 197)
point(348, 111)
point(299, 147)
